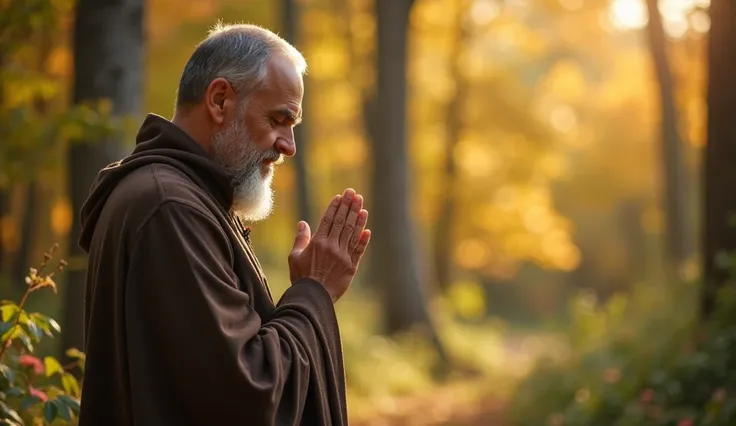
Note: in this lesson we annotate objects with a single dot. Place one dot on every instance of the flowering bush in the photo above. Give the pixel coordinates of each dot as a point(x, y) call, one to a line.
point(35, 391)
point(651, 364)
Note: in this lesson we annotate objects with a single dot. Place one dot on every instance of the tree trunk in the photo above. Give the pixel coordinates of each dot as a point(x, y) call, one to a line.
point(29, 223)
point(290, 16)
point(395, 263)
point(678, 244)
point(108, 64)
point(4, 211)
point(24, 255)
point(629, 221)
point(443, 240)
point(719, 173)
point(4, 194)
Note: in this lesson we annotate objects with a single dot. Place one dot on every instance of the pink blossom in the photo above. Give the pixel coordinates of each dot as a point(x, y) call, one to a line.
point(685, 422)
point(647, 396)
point(38, 393)
point(31, 361)
point(719, 395)
point(612, 375)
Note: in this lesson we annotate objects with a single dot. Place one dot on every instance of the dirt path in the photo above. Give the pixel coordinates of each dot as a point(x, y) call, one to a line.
point(464, 404)
point(430, 412)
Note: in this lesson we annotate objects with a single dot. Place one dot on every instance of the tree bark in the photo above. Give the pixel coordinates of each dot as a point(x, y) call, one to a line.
point(395, 260)
point(27, 237)
point(4, 193)
point(29, 223)
point(4, 211)
point(719, 173)
point(443, 240)
point(678, 244)
point(290, 21)
point(108, 64)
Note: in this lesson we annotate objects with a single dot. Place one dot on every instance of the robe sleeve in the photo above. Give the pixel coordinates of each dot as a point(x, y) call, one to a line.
point(198, 348)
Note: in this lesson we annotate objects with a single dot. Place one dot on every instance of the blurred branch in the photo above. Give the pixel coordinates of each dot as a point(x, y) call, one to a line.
point(719, 233)
point(344, 9)
point(678, 245)
point(443, 241)
point(291, 12)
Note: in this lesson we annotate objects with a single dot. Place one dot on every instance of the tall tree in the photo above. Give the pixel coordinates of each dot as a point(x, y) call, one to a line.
point(108, 65)
point(719, 173)
point(291, 11)
point(678, 244)
point(30, 216)
point(443, 239)
point(395, 260)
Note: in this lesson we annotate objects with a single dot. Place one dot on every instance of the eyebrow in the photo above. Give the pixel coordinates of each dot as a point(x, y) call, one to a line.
point(290, 114)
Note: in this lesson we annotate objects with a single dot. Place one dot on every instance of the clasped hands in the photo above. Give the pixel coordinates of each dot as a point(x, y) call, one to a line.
point(332, 255)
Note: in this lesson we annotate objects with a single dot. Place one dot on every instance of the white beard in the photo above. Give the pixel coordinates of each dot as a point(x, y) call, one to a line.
point(236, 151)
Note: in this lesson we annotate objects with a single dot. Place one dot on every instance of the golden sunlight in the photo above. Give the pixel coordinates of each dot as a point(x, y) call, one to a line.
point(677, 15)
point(485, 11)
point(628, 14)
point(571, 5)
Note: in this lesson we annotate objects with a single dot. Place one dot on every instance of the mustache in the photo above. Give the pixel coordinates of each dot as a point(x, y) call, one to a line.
point(273, 156)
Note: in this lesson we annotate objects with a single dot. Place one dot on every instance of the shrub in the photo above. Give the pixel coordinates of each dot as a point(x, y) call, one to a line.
point(35, 391)
point(648, 364)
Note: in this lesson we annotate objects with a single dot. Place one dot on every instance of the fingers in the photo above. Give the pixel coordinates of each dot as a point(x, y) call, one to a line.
point(365, 238)
point(358, 231)
point(325, 224)
point(351, 222)
point(338, 223)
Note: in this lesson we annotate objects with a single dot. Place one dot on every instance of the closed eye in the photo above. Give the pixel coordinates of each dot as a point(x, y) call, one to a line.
point(285, 117)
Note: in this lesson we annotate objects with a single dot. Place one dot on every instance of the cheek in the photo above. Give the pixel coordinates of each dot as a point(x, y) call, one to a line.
point(261, 131)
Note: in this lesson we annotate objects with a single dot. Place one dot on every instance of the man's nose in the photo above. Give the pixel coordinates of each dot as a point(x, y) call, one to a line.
point(285, 143)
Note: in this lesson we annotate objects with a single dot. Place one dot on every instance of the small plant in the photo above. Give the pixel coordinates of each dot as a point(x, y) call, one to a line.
point(35, 391)
point(661, 368)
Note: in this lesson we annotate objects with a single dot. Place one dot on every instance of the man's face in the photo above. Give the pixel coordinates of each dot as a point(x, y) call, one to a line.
point(258, 136)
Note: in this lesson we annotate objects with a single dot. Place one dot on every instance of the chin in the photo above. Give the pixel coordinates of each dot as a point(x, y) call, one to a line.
point(254, 204)
point(267, 170)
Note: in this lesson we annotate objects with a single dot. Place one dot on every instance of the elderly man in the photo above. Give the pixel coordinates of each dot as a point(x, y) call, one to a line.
point(180, 326)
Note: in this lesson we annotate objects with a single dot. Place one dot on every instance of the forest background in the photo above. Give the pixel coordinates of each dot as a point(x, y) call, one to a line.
point(547, 181)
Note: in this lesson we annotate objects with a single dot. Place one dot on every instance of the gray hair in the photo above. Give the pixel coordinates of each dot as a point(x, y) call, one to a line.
point(238, 53)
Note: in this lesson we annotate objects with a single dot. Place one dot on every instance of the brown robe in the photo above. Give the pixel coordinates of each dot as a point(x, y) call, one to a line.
point(180, 327)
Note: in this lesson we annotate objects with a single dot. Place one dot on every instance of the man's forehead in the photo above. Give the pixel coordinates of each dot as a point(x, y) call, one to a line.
point(281, 69)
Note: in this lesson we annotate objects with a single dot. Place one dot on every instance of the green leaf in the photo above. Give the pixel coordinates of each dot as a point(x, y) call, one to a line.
point(52, 366)
point(75, 353)
point(4, 327)
point(43, 323)
point(12, 334)
point(34, 331)
point(29, 401)
point(8, 311)
point(10, 413)
point(49, 411)
point(70, 384)
point(14, 392)
point(55, 325)
point(24, 319)
point(15, 417)
point(8, 374)
point(63, 410)
point(72, 403)
point(23, 337)
point(79, 355)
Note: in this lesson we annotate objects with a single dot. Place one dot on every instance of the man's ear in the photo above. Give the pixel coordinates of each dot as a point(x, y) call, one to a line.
point(220, 100)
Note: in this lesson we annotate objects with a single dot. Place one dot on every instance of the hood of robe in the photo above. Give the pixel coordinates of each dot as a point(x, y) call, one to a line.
point(158, 141)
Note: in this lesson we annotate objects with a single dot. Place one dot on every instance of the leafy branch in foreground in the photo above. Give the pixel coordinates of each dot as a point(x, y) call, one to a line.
point(33, 390)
